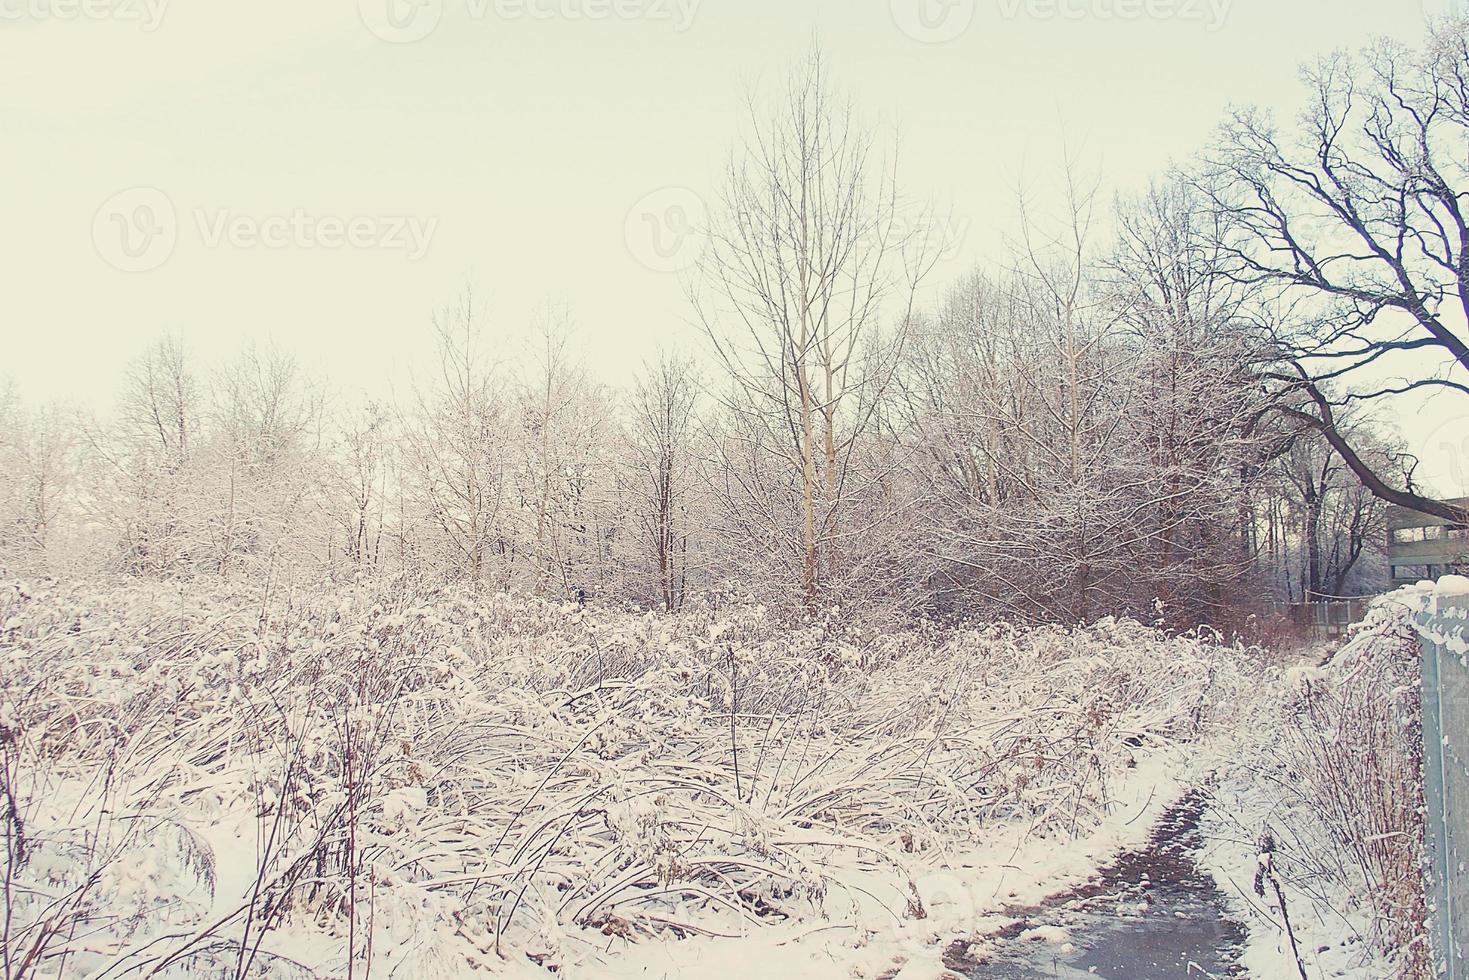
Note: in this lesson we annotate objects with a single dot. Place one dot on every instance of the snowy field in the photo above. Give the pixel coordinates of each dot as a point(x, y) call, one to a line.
point(266, 782)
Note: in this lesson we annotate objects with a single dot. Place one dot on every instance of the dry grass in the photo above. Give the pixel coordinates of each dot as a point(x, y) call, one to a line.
point(1335, 782)
point(209, 782)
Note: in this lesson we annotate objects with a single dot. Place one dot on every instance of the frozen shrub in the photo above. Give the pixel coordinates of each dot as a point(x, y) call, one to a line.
point(450, 777)
point(1343, 753)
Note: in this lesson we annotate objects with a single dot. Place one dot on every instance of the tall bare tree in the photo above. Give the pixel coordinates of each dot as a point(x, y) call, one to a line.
point(147, 484)
point(261, 458)
point(809, 246)
point(1361, 213)
point(456, 453)
point(661, 439)
point(38, 457)
point(356, 482)
point(1084, 423)
point(564, 479)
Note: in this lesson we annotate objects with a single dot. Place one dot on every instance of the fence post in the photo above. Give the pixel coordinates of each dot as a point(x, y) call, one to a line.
point(1446, 782)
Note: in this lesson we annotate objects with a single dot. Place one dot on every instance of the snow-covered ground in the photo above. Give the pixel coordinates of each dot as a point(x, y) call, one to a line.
point(270, 782)
point(1330, 769)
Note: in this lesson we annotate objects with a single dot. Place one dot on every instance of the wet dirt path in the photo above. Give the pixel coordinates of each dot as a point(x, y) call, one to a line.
point(1152, 915)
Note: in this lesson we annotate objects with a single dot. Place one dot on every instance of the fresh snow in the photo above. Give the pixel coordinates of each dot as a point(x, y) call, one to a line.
point(463, 784)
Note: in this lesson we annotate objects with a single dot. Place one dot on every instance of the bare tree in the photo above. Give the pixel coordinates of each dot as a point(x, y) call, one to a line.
point(356, 486)
point(147, 485)
point(456, 446)
point(160, 402)
point(1085, 424)
point(1198, 409)
point(661, 435)
point(564, 478)
point(38, 457)
point(809, 246)
point(1362, 214)
point(260, 460)
point(1339, 523)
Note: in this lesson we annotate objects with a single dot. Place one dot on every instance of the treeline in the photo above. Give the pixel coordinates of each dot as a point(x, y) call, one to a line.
point(1160, 406)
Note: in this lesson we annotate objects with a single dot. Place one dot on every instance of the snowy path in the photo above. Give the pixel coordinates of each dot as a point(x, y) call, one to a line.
point(1152, 915)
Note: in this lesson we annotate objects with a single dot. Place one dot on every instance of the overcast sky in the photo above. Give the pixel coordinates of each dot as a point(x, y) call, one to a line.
point(323, 173)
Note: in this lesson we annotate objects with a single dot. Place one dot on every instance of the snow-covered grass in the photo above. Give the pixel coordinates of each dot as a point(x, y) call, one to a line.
point(1333, 775)
point(247, 779)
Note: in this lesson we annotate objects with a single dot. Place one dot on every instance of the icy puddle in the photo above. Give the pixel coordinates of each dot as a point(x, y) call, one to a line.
point(1153, 915)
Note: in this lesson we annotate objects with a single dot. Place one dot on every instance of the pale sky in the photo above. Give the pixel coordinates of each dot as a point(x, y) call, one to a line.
point(324, 173)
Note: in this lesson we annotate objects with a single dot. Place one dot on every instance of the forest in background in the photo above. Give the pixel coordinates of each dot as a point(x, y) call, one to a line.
point(1169, 406)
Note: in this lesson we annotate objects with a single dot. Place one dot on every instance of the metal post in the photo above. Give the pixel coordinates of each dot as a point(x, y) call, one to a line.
point(1446, 783)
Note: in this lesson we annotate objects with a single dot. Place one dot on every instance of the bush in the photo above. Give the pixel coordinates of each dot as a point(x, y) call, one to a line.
point(202, 782)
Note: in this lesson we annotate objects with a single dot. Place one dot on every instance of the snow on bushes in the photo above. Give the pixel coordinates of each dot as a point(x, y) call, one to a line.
point(1332, 777)
point(261, 782)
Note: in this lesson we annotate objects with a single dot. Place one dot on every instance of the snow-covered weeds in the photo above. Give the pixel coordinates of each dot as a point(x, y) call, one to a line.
point(1333, 781)
point(257, 782)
